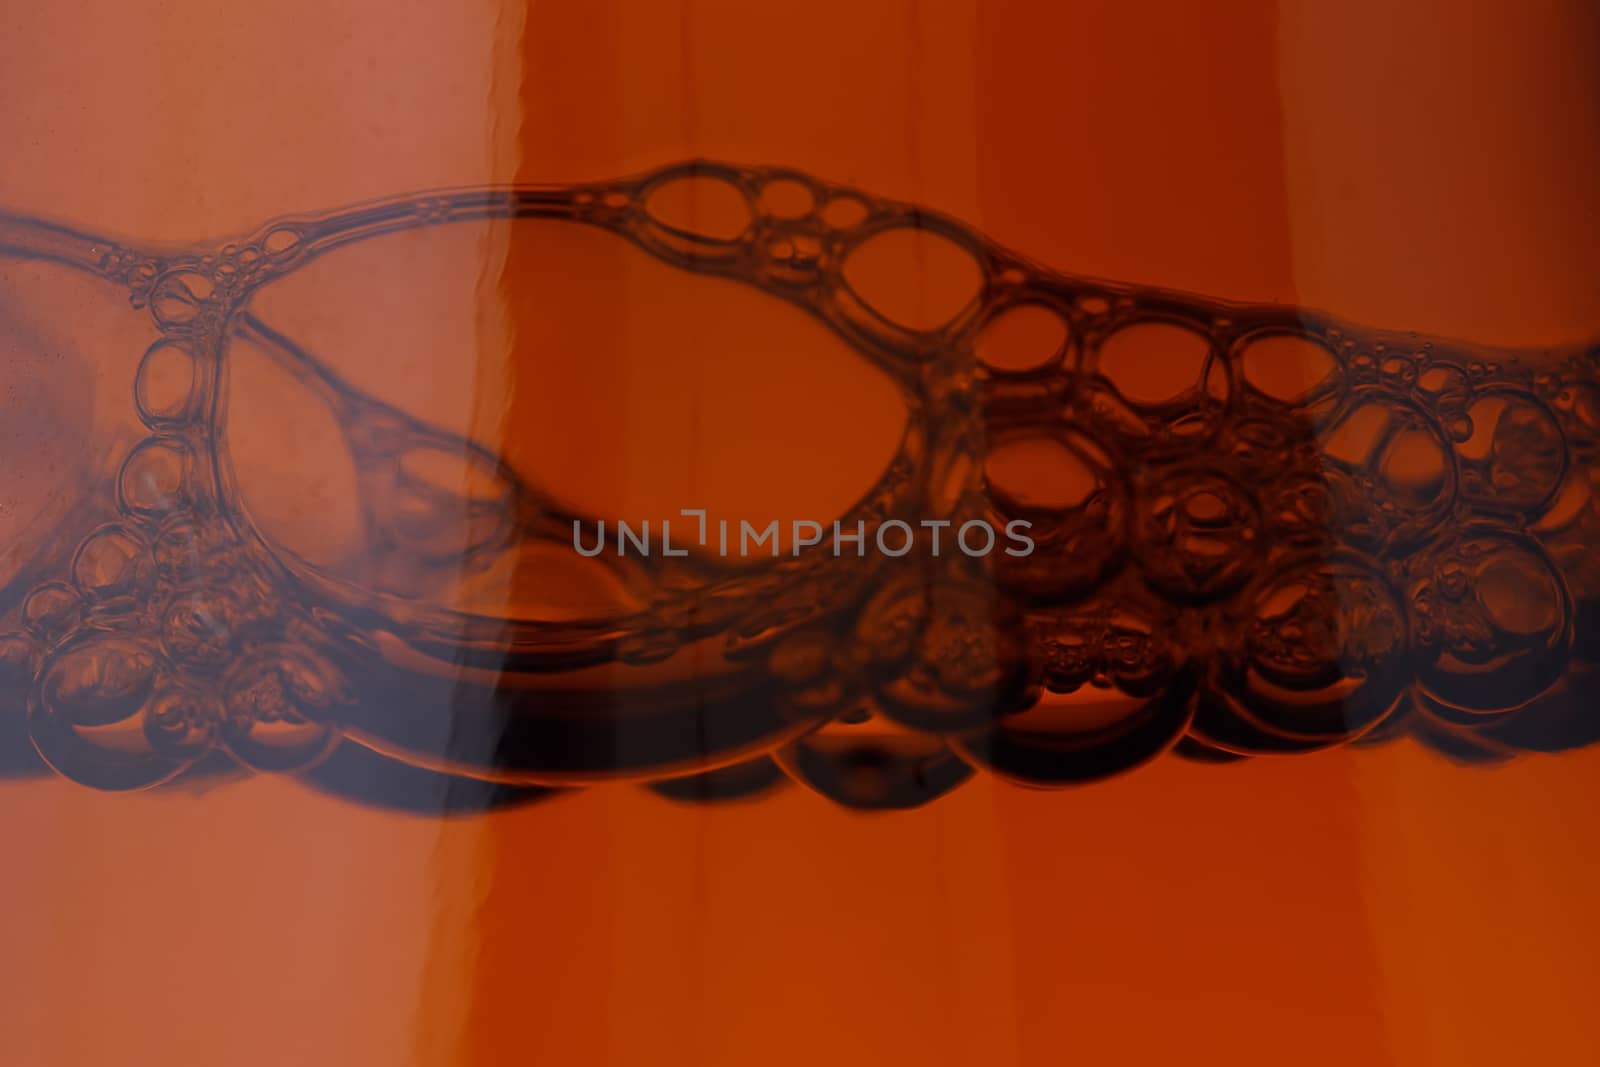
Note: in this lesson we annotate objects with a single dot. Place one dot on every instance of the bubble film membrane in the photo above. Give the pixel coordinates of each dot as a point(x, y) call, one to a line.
point(1257, 531)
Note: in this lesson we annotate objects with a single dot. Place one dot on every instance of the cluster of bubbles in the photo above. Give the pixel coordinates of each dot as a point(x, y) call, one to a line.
point(168, 637)
point(1258, 531)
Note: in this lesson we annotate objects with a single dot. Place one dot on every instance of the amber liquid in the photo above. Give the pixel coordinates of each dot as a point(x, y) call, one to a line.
point(323, 743)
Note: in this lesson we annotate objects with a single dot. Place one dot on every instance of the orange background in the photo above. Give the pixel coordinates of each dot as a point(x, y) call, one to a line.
point(1432, 169)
